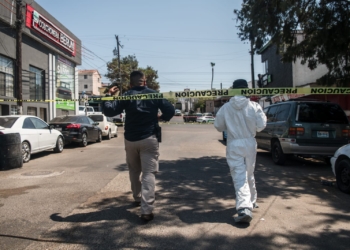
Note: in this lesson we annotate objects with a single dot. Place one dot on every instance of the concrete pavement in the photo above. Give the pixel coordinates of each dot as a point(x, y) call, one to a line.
point(194, 201)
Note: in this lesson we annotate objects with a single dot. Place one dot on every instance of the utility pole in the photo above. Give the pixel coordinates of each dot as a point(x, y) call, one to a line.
point(19, 22)
point(252, 59)
point(212, 74)
point(119, 74)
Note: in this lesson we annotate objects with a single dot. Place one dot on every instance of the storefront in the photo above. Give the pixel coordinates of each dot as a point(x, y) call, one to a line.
point(50, 56)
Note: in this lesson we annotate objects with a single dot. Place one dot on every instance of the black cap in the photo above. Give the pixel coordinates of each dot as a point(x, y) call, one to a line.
point(240, 84)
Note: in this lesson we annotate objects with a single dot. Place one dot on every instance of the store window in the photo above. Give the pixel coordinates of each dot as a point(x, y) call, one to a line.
point(65, 84)
point(31, 111)
point(6, 76)
point(36, 83)
point(266, 68)
point(14, 110)
point(43, 114)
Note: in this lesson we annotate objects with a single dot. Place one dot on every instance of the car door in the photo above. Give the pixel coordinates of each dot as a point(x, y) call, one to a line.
point(264, 136)
point(111, 125)
point(95, 128)
point(30, 134)
point(281, 124)
point(46, 138)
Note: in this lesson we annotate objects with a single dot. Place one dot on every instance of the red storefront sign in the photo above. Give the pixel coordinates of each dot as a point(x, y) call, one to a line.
point(35, 21)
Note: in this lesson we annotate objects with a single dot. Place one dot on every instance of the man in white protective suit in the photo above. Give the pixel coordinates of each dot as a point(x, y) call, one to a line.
point(241, 118)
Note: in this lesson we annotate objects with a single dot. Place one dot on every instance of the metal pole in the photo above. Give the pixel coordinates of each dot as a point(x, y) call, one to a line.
point(19, 21)
point(252, 62)
point(120, 76)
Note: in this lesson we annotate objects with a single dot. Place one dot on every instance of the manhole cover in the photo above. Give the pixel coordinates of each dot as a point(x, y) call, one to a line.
point(38, 173)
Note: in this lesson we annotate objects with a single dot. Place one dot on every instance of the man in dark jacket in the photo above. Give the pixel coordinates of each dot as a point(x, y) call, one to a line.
point(141, 144)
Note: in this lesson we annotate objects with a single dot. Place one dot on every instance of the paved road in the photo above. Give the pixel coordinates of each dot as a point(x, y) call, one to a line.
point(81, 199)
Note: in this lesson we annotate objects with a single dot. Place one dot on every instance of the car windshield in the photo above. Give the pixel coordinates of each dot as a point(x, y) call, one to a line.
point(7, 122)
point(65, 119)
point(81, 108)
point(198, 114)
point(321, 112)
point(97, 118)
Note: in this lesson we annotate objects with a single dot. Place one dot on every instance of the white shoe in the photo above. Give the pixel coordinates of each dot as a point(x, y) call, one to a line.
point(244, 215)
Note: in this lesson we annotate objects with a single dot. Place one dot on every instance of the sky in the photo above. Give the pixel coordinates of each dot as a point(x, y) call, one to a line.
point(178, 38)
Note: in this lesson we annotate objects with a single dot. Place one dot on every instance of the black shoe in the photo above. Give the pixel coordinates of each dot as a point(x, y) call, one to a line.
point(137, 203)
point(147, 217)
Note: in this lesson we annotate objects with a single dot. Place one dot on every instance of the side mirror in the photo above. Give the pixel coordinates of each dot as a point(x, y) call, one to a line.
point(96, 123)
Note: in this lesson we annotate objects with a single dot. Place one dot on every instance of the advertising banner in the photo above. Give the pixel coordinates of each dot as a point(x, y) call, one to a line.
point(64, 84)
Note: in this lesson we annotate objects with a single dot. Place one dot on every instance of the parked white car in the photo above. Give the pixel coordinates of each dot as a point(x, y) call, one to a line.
point(106, 124)
point(341, 168)
point(87, 110)
point(119, 119)
point(36, 134)
point(205, 119)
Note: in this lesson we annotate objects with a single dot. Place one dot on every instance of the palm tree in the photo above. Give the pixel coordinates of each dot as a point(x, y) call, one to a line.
point(212, 74)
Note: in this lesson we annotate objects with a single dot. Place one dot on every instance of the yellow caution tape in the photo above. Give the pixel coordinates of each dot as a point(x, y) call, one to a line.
point(206, 93)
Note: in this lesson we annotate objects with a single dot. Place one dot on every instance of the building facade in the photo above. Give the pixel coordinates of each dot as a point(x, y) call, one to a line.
point(50, 56)
point(278, 74)
point(294, 74)
point(89, 82)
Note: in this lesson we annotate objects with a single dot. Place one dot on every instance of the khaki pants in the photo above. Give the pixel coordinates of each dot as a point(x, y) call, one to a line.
point(142, 157)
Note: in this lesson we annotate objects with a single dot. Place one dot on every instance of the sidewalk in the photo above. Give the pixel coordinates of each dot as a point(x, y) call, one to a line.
point(194, 209)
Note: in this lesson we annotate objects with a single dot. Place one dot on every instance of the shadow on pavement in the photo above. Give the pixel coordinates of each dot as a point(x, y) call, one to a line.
point(195, 205)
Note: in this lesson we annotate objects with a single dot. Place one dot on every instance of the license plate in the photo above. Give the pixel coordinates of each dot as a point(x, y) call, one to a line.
point(322, 134)
point(59, 129)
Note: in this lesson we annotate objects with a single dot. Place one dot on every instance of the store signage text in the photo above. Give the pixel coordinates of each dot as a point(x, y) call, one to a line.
point(36, 21)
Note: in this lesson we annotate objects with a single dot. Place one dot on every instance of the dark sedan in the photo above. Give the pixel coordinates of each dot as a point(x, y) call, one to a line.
point(77, 128)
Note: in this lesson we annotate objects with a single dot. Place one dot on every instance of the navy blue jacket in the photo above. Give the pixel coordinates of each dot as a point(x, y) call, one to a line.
point(141, 115)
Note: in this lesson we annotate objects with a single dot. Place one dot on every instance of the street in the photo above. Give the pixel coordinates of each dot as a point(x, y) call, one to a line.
point(81, 199)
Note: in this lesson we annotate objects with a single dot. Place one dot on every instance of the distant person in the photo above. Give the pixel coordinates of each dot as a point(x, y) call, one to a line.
point(141, 143)
point(241, 118)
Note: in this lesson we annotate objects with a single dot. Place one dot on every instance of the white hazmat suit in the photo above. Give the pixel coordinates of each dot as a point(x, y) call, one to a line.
point(241, 118)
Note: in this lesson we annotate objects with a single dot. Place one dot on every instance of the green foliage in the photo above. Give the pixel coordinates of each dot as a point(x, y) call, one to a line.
point(201, 103)
point(172, 100)
point(127, 65)
point(324, 24)
point(151, 76)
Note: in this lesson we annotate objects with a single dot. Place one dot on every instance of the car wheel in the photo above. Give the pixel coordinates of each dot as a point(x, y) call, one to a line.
point(59, 145)
point(83, 142)
point(116, 134)
point(25, 151)
point(99, 137)
point(204, 122)
point(278, 156)
point(342, 175)
point(109, 136)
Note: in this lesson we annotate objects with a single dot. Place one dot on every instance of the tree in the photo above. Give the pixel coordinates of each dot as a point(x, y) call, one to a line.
point(201, 103)
point(127, 65)
point(151, 77)
point(324, 24)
